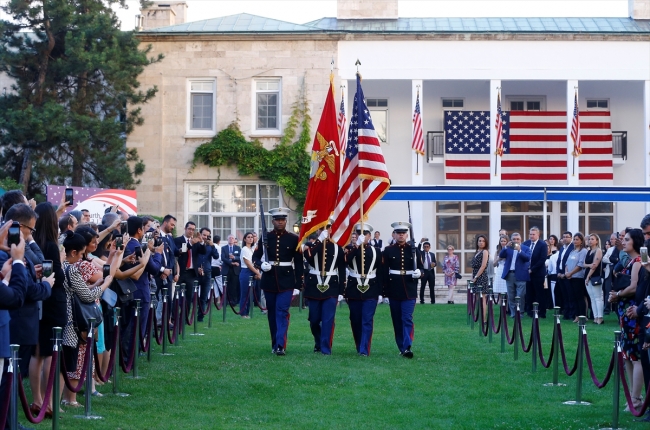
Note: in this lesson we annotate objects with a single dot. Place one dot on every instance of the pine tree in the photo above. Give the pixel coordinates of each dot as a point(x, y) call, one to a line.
point(75, 97)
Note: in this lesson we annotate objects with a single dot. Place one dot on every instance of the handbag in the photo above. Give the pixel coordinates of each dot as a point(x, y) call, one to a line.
point(596, 280)
point(124, 289)
point(458, 275)
point(82, 312)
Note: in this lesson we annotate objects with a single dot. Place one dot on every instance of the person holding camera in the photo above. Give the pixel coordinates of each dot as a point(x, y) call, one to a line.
point(515, 270)
point(205, 269)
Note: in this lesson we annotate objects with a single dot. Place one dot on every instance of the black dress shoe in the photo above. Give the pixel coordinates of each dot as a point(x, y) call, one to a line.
point(316, 349)
point(280, 352)
point(421, 302)
point(408, 353)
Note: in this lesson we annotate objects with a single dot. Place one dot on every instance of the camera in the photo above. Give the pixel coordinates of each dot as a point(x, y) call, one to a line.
point(47, 268)
point(157, 242)
point(106, 270)
point(14, 234)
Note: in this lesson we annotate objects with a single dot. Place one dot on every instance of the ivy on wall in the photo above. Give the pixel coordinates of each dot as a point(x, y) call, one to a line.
point(287, 163)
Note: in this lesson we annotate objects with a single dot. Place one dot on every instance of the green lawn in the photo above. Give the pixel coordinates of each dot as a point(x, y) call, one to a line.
point(229, 379)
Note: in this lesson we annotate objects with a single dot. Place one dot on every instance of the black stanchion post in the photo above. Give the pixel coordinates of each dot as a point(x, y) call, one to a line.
point(149, 337)
point(469, 302)
point(479, 307)
point(183, 309)
point(251, 298)
point(56, 332)
point(582, 321)
point(88, 386)
point(177, 311)
point(535, 334)
point(137, 344)
point(616, 392)
point(490, 307)
point(211, 297)
point(224, 282)
point(300, 300)
point(503, 317)
point(165, 322)
point(472, 296)
point(14, 369)
point(116, 361)
point(556, 350)
point(515, 330)
point(197, 308)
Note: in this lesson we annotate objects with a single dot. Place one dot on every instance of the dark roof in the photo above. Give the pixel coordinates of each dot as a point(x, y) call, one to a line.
point(247, 23)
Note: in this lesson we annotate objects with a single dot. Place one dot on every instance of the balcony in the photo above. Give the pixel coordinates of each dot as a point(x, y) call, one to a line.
point(619, 145)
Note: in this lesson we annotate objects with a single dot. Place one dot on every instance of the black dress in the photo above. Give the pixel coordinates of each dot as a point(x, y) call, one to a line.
point(482, 281)
point(54, 308)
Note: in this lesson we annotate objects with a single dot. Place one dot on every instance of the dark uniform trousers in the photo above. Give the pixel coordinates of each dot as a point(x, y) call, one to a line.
point(363, 302)
point(402, 291)
point(279, 282)
point(428, 277)
point(322, 304)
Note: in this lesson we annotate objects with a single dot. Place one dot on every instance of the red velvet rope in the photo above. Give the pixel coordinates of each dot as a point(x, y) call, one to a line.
point(48, 393)
point(545, 364)
point(158, 333)
point(126, 367)
point(626, 390)
point(190, 319)
point(111, 361)
point(245, 302)
point(498, 327)
point(561, 345)
point(484, 325)
point(216, 303)
point(521, 334)
point(86, 362)
point(504, 316)
point(171, 333)
point(610, 369)
point(145, 339)
point(258, 299)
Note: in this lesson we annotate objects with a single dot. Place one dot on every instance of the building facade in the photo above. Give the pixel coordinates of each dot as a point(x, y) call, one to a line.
point(252, 69)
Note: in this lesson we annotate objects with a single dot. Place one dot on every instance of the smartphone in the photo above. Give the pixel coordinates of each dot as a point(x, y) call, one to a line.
point(157, 242)
point(123, 228)
point(47, 268)
point(511, 245)
point(138, 252)
point(644, 254)
point(119, 242)
point(106, 270)
point(14, 234)
point(147, 237)
point(69, 196)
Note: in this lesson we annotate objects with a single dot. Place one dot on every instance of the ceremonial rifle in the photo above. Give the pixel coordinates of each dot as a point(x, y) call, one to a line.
point(412, 241)
point(263, 237)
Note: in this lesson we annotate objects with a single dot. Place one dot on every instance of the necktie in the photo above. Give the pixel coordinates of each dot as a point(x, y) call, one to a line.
point(532, 247)
point(189, 255)
point(428, 261)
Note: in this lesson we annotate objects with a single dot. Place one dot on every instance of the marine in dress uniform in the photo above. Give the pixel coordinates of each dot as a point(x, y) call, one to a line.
point(323, 284)
point(401, 285)
point(282, 274)
point(362, 292)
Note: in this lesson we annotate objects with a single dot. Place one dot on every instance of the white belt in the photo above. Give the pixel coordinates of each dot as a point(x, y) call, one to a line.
point(282, 263)
point(317, 273)
point(371, 275)
point(400, 272)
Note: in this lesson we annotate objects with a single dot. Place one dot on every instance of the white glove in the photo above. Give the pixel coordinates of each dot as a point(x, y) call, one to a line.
point(266, 267)
point(340, 298)
point(416, 274)
point(323, 235)
point(359, 241)
point(296, 292)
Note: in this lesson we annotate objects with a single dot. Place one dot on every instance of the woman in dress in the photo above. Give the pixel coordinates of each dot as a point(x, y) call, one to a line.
point(500, 286)
point(551, 268)
point(247, 271)
point(450, 266)
point(625, 297)
point(479, 274)
point(75, 246)
point(595, 269)
point(575, 273)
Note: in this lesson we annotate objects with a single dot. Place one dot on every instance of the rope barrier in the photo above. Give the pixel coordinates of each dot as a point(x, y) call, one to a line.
point(68, 383)
point(610, 368)
point(491, 316)
point(245, 303)
point(509, 339)
point(126, 367)
point(626, 390)
point(521, 334)
point(545, 364)
point(217, 303)
point(48, 393)
point(258, 301)
point(172, 331)
point(190, 318)
point(145, 339)
point(111, 360)
point(158, 334)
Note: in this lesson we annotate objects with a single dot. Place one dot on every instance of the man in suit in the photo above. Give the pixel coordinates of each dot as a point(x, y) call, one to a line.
point(230, 257)
point(535, 287)
point(188, 261)
point(376, 241)
point(205, 269)
point(169, 268)
point(568, 307)
point(515, 270)
point(428, 273)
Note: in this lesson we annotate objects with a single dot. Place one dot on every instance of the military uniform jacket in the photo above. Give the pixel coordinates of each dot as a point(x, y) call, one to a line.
point(400, 258)
point(371, 287)
point(283, 257)
point(335, 271)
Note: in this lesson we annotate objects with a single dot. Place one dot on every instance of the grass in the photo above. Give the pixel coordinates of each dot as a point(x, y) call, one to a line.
point(457, 380)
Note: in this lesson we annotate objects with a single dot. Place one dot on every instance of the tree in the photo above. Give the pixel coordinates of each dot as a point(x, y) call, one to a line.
point(75, 96)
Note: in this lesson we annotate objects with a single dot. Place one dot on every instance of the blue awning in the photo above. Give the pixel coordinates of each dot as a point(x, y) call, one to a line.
point(517, 193)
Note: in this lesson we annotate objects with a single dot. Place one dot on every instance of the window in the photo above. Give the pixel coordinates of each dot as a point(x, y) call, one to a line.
point(230, 208)
point(379, 114)
point(267, 106)
point(201, 107)
point(526, 103)
point(601, 104)
point(593, 217)
point(452, 103)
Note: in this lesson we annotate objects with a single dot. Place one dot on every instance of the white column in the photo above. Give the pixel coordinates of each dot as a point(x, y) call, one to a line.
point(417, 164)
point(495, 163)
point(572, 175)
point(646, 136)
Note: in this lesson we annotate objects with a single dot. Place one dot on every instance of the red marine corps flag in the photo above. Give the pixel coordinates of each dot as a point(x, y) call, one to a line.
point(325, 171)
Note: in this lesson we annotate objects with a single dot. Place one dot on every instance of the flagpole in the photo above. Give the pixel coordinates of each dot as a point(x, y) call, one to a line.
point(363, 261)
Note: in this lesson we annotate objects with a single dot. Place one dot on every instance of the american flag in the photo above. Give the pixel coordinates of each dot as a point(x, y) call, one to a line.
point(499, 127)
point(340, 123)
point(418, 136)
point(535, 147)
point(364, 165)
point(575, 128)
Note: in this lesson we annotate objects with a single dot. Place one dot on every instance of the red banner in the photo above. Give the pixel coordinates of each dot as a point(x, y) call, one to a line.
point(325, 171)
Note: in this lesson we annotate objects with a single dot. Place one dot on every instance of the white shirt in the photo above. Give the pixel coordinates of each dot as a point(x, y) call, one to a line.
point(514, 259)
point(247, 254)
